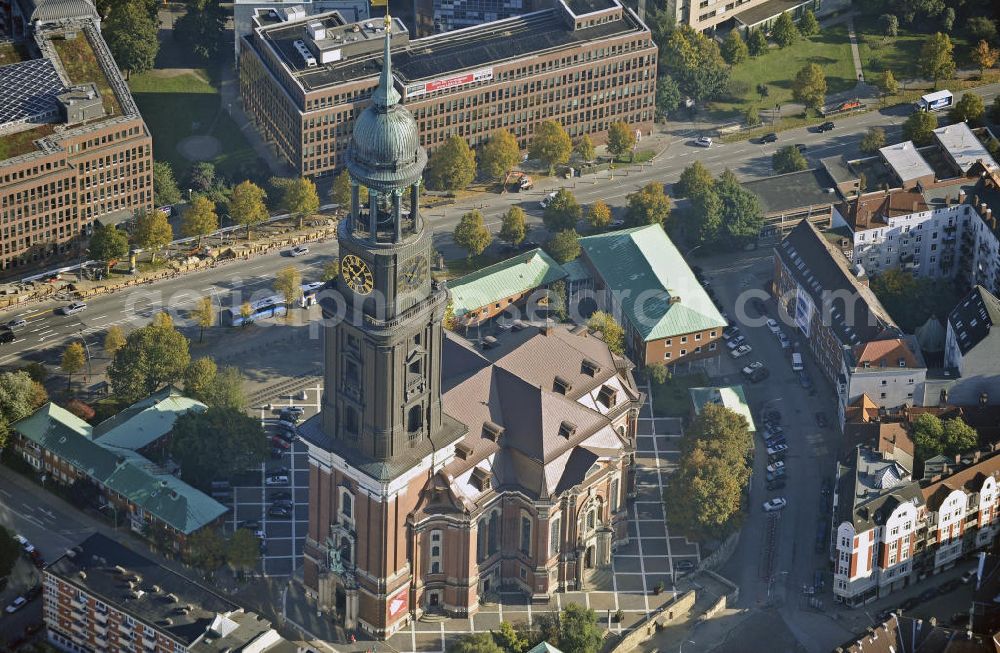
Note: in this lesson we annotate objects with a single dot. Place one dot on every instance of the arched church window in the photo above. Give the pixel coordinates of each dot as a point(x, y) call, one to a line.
point(346, 550)
point(494, 533)
point(351, 419)
point(415, 419)
point(482, 539)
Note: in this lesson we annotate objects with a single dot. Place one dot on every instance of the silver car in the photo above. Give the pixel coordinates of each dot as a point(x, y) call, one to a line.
point(72, 309)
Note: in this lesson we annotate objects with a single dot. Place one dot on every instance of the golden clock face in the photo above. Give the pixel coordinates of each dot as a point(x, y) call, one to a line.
point(356, 274)
point(413, 273)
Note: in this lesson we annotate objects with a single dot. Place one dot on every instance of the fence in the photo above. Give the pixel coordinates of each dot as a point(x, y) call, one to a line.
point(666, 615)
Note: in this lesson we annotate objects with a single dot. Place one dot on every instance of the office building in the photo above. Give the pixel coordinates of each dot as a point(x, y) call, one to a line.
point(244, 11)
point(75, 149)
point(102, 596)
point(744, 15)
point(442, 471)
point(582, 63)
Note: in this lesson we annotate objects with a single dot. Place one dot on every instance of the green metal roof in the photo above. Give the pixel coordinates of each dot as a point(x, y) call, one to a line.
point(516, 275)
point(731, 397)
point(642, 265)
point(120, 470)
point(145, 421)
point(576, 271)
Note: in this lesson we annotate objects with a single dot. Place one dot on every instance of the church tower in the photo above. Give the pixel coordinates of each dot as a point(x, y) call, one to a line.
point(383, 360)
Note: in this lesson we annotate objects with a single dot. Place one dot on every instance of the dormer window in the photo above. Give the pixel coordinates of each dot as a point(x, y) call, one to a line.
point(480, 479)
point(562, 385)
point(463, 450)
point(902, 362)
point(492, 431)
point(567, 429)
point(608, 396)
point(866, 364)
point(590, 367)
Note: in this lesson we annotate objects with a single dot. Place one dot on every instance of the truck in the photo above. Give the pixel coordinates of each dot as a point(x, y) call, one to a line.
point(936, 101)
point(797, 362)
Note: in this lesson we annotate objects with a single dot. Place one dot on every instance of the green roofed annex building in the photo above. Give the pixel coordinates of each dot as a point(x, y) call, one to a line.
point(68, 450)
point(640, 277)
point(486, 293)
point(731, 397)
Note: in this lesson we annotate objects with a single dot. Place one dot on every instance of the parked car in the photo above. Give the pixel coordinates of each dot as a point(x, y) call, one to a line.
point(773, 325)
point(298, 250)
point(26, 546)
point(775, 504)
point(548, 199)
point(769, 138)
point(72, 309)
point(16, 605)
point(759, 375)
point(616, 224)
point(777, 449)
point(801, 147)
point(7, 336)
point(776, 474)
point(279, 511)
point(683, 565)
point(730, 332)
point(14, 325)
point(826, 126)
point(279, 495)
point(741, 351)
point(749, 369)
point(249, 524)
point(928, 594)
point(703, 141)
point(774, 442)
point(279, 443)
point(783, 339)
point(276, 479)
point(805, 381)
point(773, 416)
point(775, 466)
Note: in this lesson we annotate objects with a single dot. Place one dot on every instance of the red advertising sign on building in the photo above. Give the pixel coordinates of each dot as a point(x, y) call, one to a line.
point(397, 604)
point(481, 75)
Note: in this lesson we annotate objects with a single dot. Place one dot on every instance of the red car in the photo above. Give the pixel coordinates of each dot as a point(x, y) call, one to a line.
point(279, 443)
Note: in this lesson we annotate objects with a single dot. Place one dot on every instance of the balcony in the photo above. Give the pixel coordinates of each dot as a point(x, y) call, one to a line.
point(78, 603)
point(101, 617)
point(101, 630)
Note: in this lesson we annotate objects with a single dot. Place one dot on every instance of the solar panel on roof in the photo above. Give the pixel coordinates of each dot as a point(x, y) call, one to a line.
point(30, 90)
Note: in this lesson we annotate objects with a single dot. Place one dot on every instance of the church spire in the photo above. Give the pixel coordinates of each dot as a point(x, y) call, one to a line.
point(386, 95)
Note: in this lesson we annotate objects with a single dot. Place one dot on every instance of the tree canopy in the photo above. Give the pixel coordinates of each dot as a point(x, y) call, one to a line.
point(108, 243)
point(247, 205)
point(340, 191)
point(969, 108)
point(475, 643)
point(984, 56)
point(288, 283)
point(788, 159)
point(784, 32)
point(203, 315)
point(910, 299)
point(585, 149)
point(564, 246)
point(300, 198)
point(201, 27)
point(579, 631)
point(694, 180)
point(873, 140)
point(499, 155)
point(563, 211)
point(151, 230)
point(599, 215)
point(10, 551)
point(668, 96)
point(550, 144)
point(152, 357)
point(471, 234)
point(20, 395)
point(808, 25)
point(206, 549)
point(513, 228)
point(452, 166)
point(809, 86)
point(131, 34)
point(920, 126)
point(649, 205)
point(933, 436)
point(199, 218)
point(114, 340)
point(937, 59)
point(757, 43)
point(621, 139)
point(734, 48)
point(695, 62)
point(612, 332)
point(73, 360)
point(165, 191)
point(217, 443)
point(243, 550)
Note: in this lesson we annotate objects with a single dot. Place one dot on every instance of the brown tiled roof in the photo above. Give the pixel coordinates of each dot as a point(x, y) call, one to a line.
point(969, 478)
point(862, 409)
point(885, 353)
point(892, 436)
point(873, 210)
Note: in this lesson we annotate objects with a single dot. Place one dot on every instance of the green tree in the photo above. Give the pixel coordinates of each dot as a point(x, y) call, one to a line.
point(751, 117)
point(585, 149)
point(513, 228)
point(969, 108)
point(204, 315)
point(563, 212)
point(808, 25)
point(911, 300)
point(153, 356)
point(206, 549)
point(742, 217)
point(509, 639)
point(330, 270)
point(471, 234)
point(578, 630)
point(131, 35)
point(958, 437)
point(475, 643)
point(948, 19)
point(151, 230)
point(734, 48)
point(695, 63)
point(550, 144)
point(243, 551)
point(888, 25)
point(608, 327)
point(657, 372)
point(73, 360)
point(599, 215)
point(108, 244)
point(982, 28)
point(704, 494)
point(557, 300)
point(887, 84)
point(226, 390)
point(216, 443)
point(165, 191)
point(198, 378)
point(452, 166)
point(201, 28)
point(621, 140)
point(984, 56)
point(499, 155)
point(809, 86)
point(706, 217)
point(788, 159)
point(300, 198)
point(564, 246)
point(668, 96)
point(199, 218)
point(288, 282)
point(937, 60)
point(928, 440)
point(10, 551)
point(247, 205)
point(114, 340)
point(649, 205)
point(201, 177)
point(19, 397)
point(920, 126)
point(757, 43)
point(784, 32)
point(694, 180)
point(873, 140)
point(340, 190)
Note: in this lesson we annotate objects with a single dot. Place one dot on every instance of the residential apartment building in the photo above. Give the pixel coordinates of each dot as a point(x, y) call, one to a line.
point(640, 277)
point(744, 15)
point(972, 353)
point(102, 596)
point(891, 531)
point(857, 345)
point(76, 149)
point(584, 64)
point(107, 461)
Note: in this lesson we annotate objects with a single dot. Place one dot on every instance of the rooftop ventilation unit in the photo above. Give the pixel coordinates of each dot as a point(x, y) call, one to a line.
point(304, 52)
point(316, 30)
point(298, 12)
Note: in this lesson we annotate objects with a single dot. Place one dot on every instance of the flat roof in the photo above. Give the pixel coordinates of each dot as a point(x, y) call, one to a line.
point(963, 146)
point(450, 52)
point(795, 190)
point(581, 7)
point(906, 161)
point(29, 91)
point(839, 169)
point(754, 15)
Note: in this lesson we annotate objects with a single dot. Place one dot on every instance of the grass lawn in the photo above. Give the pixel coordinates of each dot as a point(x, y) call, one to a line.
point(165, 94)
point(901, 53)
point(830, 49)
point(671, 399)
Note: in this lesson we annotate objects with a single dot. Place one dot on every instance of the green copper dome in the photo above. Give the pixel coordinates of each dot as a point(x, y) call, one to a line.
point(385, 151)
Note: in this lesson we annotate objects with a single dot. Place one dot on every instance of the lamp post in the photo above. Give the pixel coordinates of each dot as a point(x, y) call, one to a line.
point(86, 348)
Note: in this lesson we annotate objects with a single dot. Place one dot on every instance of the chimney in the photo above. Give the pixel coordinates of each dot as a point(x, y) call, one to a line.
point(915, 204)
point(547, 328)
point(961, 196)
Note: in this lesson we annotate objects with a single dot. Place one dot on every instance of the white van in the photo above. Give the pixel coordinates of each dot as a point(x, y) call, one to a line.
point(797, 363)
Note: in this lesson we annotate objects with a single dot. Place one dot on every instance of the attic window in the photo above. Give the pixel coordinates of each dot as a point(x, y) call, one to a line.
point(561, 385)
point(480, 479)
point(866, 364)
point(902, 362)
point(591, 367)
point(567, 429)
point(463, 450)
point(608, 396)
point(492, 430)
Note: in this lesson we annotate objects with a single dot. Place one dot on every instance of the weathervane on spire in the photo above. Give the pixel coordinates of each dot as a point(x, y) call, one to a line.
point(385, 95)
